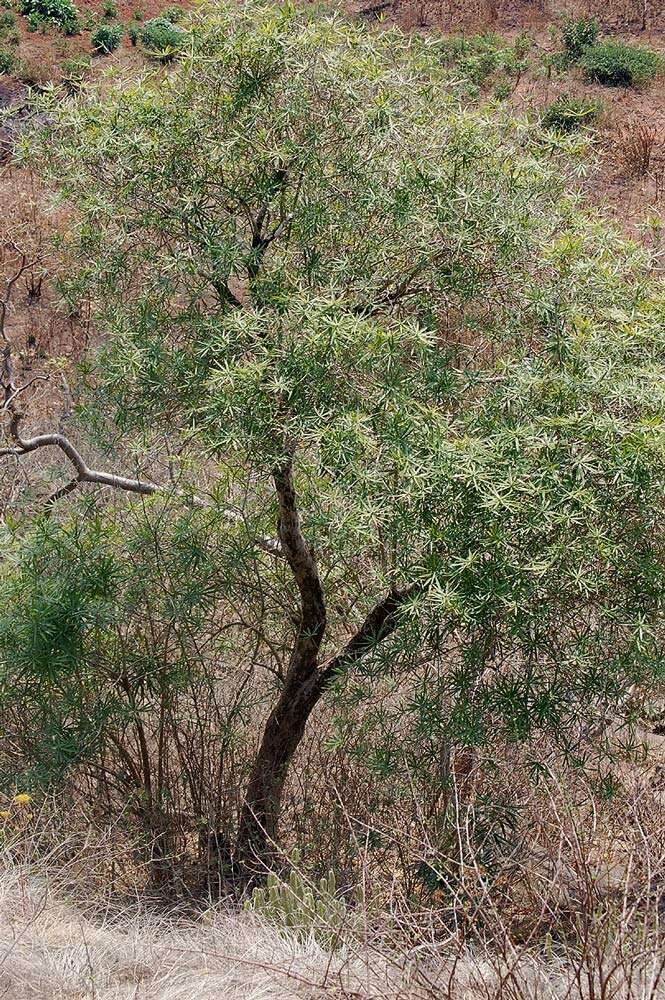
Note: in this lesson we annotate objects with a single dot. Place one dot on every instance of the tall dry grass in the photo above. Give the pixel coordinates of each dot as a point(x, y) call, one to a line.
point(573, 912)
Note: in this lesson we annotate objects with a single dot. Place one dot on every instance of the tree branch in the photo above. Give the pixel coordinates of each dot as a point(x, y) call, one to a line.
point(381, 622)
point(84, 474)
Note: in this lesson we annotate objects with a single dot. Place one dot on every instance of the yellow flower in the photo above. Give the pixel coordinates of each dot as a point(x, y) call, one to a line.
point(4, 814)
point(22, 799)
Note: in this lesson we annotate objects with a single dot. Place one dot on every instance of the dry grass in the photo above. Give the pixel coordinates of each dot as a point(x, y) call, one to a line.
point(595, 905)
point(637, 144)
point(50, 947)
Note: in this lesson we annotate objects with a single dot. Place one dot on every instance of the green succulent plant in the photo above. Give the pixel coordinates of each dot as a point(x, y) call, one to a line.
point(300, 907)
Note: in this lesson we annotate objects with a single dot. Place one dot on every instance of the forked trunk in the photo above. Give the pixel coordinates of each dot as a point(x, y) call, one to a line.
point(305, 681)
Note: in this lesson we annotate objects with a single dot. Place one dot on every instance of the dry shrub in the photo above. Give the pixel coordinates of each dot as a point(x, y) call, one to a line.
point(595, 931)
point(659, 181)
point(38, 70)
point(636, 145)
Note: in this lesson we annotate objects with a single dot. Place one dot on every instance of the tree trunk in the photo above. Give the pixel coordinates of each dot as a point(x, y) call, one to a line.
point(305, 683)
point(257, 832)
point(286, 723)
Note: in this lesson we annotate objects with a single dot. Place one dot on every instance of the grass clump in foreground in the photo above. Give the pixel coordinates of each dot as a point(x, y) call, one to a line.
point(617, 64)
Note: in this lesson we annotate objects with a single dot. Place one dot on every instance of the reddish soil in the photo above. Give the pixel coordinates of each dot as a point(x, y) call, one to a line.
point(646, 17)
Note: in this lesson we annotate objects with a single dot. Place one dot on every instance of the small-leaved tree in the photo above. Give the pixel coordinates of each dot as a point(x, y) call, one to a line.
point(425, 392)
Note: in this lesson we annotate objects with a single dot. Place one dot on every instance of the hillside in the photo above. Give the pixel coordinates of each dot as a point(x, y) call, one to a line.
point(332, 483)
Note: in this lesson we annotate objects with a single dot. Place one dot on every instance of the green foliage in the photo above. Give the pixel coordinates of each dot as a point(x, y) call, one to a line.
point(481, 56)
point(98, 627)
point(74, 72)
point(106, 38)
point(302, 908)
point(617, 64)
point(62, 13)
point(109, 10)
point(300, 241)
point(8, 32)
point(6, 61)
point(162, 39)
point(578, 34)
point(173, 14)
point(569, 114)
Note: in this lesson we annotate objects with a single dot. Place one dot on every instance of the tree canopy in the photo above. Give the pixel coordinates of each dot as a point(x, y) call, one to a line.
point(422, 393)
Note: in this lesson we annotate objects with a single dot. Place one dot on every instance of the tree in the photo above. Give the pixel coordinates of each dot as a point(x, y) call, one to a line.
point(372, 313)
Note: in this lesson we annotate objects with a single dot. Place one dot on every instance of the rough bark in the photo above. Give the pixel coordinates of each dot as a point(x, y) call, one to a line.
point(304, 685)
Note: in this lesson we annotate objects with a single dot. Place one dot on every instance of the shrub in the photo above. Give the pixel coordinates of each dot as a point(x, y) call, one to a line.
point(62, 13)
point(8, 32)
point(133, 33)
point(106, 38)
point(74, 72)
point(35, 72)
point(6, 61)
point(480, 56)
point(578, 34)
point(619, 65)
point(636, 145)
point(502, 91)
point(173, 14)
point(109, 10)
point(568, 114)
point(161, 38)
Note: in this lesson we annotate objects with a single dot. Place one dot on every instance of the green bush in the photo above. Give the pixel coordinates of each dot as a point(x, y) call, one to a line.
point(619, 65)
point(568, 114)
point(63, 13)
point(74, 72)
point(6, 61)
point(480, 56)
point(161, 38)
point(106, 38)
point(8, 33)
point(578, 34)
point(173, 14)
point(109, 10)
